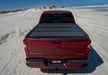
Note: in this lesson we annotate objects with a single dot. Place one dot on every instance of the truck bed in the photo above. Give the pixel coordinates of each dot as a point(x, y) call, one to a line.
point(57, 42)
point(57, 31)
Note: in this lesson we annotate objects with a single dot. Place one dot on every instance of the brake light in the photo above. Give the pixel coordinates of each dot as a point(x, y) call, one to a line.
point(88, 47)
point(26, 51)
point(25, 48)
point(89, 42)
point(87, 50)
point(24, 41)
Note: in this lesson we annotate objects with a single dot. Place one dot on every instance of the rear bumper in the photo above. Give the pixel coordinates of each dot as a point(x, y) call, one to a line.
point(69, 64)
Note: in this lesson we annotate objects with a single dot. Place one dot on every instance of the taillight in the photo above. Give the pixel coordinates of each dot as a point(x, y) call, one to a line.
point(25, 48)
point(89, 42)
point(88, 47)
point(24, 41)
point(87, 50)
point(26, 51)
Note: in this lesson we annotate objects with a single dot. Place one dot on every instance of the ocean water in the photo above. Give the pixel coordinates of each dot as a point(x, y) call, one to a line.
point(20, 4)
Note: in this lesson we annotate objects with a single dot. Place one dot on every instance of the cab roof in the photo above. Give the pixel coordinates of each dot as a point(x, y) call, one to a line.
point(57, 11)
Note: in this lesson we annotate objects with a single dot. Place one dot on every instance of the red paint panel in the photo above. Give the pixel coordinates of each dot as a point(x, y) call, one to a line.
point(57, 12)
point(66, 49)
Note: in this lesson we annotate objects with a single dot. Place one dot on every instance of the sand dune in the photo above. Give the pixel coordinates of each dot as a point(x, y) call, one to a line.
point(14, 27)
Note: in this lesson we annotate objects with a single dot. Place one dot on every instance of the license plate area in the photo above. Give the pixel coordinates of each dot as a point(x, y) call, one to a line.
point(55, 63)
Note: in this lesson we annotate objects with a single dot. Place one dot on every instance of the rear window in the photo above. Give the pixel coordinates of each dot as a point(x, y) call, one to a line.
point(56, 18)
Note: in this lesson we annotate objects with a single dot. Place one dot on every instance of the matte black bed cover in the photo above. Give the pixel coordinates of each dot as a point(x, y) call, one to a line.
point(57, 31)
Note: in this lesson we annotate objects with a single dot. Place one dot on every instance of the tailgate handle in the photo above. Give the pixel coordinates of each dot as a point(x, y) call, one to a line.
point(56, 42)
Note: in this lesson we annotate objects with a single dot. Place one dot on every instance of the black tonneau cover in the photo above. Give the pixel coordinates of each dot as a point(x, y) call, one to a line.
point(57, 31)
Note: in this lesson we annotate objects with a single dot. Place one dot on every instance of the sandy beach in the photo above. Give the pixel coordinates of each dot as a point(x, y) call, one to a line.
point(14, 26)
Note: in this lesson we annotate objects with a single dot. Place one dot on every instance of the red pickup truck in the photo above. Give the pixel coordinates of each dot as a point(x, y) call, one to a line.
point(57, 42)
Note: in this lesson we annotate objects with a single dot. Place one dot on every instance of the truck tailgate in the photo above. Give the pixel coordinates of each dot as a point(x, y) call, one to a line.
point(57, 49)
